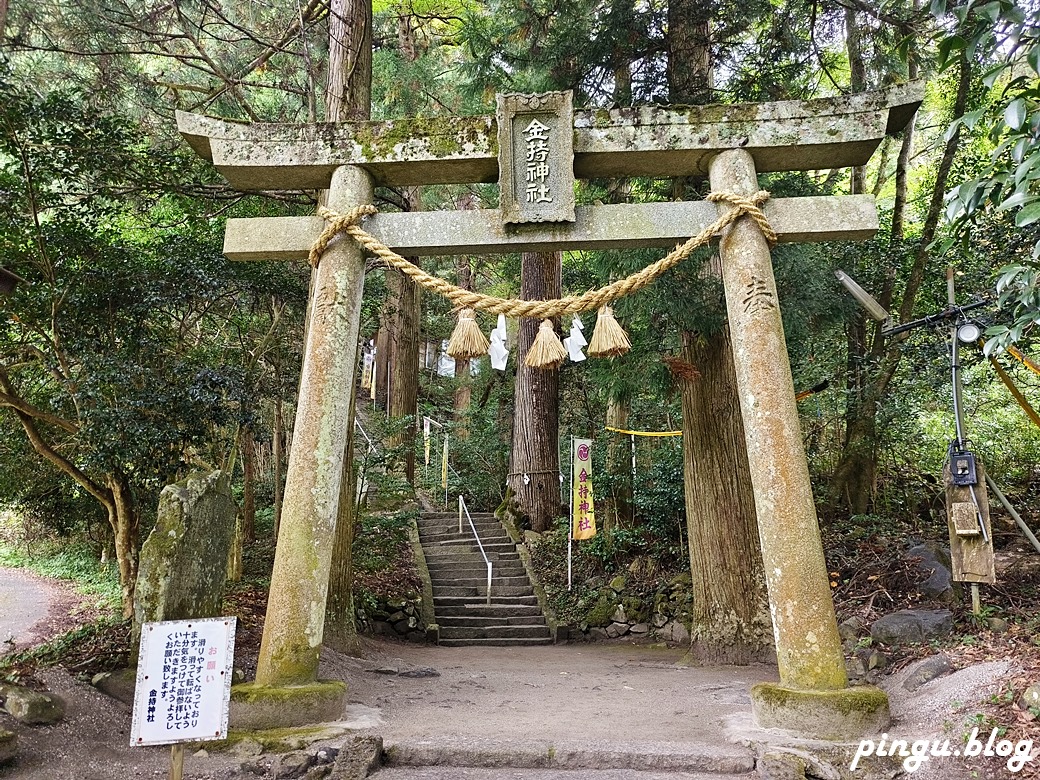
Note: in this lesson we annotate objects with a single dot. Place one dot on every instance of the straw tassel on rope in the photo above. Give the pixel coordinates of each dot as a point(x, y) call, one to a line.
point(546, 351)
point(609, 338)
point(466, 340)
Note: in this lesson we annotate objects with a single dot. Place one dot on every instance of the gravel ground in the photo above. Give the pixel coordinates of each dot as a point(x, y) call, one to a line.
point(635, 702)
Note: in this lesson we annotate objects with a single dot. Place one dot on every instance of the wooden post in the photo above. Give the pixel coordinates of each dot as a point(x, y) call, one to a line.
point(967, 506)
point(971, 553)
point(177, 761)
point(299, 582)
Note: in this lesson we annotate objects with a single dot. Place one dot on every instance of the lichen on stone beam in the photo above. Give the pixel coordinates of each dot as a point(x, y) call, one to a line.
point(649, 140)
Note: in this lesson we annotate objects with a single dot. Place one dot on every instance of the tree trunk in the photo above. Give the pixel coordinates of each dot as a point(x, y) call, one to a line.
point(619, 450)
point(690, 73)
point(404, 358)
point(404, 391)
point(349, 83)
point(276, 447)
point(340, 627)
point(731, 621)
point(903, 164)
point(535, 459)
point(857, 83)
point(852, 482)
point(381, 369)
point(856, 472)
point(123, 517)
point(247, 444)
point(349, 90)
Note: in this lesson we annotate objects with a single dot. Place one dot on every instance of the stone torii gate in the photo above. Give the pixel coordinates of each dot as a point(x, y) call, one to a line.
point(730, 144)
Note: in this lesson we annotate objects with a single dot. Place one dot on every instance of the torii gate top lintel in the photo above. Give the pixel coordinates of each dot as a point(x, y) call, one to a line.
point(644, 141)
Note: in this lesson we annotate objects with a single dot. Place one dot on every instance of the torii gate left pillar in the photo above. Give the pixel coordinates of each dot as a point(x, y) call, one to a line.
point(299, 583)
point(729, 142)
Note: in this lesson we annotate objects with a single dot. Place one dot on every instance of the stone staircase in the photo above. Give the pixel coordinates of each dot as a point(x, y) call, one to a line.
point(459, 577)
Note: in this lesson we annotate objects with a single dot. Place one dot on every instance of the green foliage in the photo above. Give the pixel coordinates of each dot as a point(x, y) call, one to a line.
point(1004, 37)
point(380, 539)
point(383, 564)
point(130, 339)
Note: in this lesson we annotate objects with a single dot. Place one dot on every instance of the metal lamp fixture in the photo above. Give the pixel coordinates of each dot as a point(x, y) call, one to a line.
point(866, 300)
point(968, 333)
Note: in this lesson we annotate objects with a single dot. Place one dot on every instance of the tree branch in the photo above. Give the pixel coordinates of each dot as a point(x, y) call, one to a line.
point(19, 405)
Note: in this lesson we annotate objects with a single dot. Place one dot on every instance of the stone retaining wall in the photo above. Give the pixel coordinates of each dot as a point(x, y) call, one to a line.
point(400, 617)
point(613, 613)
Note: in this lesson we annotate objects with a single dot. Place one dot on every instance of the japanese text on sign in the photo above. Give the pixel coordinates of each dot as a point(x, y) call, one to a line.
point(536, 137)
point(183, 681)
point(583, 515)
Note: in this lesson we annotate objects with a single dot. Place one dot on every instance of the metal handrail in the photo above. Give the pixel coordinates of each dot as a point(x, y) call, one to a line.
point(360, 427)
point(464, 508)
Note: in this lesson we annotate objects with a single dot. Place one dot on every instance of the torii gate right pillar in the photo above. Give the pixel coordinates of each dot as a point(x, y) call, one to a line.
point(812, 697)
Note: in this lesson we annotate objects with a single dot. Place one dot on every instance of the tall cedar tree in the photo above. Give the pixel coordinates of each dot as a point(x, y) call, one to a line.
point(348, 97)
point(730, 611)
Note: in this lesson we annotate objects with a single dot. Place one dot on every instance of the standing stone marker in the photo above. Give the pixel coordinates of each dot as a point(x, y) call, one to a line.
point(734, 144)
point(184, 560)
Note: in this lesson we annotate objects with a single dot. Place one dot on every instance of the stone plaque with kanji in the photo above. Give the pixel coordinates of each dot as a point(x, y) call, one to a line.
point(536, 157)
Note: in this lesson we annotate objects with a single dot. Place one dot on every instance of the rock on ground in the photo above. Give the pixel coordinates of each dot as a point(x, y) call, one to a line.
point(32, 707)
point(912, 626)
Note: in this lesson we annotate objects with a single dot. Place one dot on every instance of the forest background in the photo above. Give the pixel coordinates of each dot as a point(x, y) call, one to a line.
point(133, 352)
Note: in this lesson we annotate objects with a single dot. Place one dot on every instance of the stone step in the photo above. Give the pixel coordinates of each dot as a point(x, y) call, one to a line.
point(527, 611)
point(405, 772)
point(481, 621)
point(496, 642)
point(481, 580)
point(494, 632)
point(454, 513)
point(497, 600)
point(459, 577)
point(502, 549)
point(452, 523)
point(452, 535)
point(447, 556)
point(506, 568)
point(489, 545)
point(478, 590)
point(453, 519)
point(540, 759)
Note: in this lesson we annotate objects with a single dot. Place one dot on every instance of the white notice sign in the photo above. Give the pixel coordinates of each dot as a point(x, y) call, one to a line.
point(183, 681)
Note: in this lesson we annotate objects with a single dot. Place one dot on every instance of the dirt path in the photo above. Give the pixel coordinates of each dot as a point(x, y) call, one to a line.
point(32, 608)
point(611, 707)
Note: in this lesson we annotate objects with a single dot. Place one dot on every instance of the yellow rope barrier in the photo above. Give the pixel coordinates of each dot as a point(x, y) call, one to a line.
point(558, 307)
point(643, 433)
point(1017, 354)
point(1015, 392)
